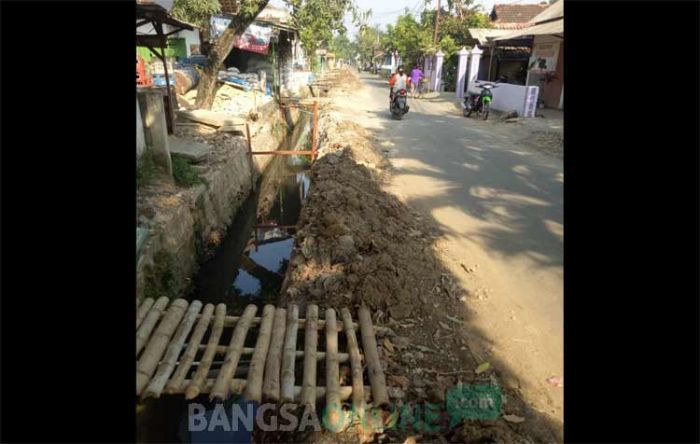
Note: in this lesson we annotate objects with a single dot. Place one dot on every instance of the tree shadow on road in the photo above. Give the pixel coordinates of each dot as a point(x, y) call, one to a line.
point(489, 185)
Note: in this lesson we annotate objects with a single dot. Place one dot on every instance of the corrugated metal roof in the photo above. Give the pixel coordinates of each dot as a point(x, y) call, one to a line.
point(555, 27)
point(553, 12)
point(481, 34)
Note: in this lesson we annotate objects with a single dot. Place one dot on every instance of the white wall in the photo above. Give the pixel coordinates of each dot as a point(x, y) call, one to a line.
point(506, 97)
point(191, 38)
point(140, 139)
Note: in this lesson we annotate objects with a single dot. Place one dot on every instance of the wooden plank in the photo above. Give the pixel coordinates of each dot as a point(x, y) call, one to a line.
point(289, 356)
point(380, 397)
point(334, 408)
point(211, 118)
point(143, 311)
point(167, 364)
point(358, 396)
point(149, 323)
point(271, 383)
point(175, 383)
point(221, 387)
point(308, 393)
point(195, 386)
point(284, 153)
point(155, 349)
point(253, 389)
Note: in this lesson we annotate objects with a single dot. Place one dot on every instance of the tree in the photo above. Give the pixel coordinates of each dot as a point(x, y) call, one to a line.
point(342, 47)
point(197, 12)
point(316, 21)
point(249, 9)
point(409, 38)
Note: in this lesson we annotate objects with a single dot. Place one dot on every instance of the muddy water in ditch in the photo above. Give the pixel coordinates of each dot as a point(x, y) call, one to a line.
point(247, 267)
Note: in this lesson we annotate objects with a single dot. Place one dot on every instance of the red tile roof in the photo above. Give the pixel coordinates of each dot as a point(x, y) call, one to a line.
point(515, 16)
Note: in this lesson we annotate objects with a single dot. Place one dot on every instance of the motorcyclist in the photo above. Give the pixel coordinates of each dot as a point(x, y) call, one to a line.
point(399, 80)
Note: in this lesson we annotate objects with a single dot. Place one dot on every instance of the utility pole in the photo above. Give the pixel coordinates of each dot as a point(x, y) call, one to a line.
point(437, 22)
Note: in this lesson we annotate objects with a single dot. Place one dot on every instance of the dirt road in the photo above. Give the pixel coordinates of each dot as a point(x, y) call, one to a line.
point(498, 201)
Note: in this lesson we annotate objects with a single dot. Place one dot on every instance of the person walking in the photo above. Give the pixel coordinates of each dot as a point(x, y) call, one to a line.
point(416, 77)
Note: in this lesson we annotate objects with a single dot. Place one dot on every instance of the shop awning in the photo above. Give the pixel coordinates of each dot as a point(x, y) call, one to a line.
point(555, 27)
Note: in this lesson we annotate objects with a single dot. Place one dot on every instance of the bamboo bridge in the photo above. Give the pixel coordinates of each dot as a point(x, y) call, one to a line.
point(177, 343)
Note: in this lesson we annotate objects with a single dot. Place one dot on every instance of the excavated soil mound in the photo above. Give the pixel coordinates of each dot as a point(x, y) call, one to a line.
point(357, 244)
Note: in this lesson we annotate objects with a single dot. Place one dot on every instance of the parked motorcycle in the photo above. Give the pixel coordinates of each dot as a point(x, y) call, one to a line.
point(399, 104)
point(479, 103)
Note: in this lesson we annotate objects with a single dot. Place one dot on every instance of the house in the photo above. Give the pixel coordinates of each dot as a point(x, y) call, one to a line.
point(546, 64)
point(508, 61)
point(270, 44)
point(181, 44)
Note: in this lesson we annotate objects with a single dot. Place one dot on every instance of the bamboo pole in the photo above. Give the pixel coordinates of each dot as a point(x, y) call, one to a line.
point(194, 388)
point(380, 397)
point(230, 321)
point(290, 348)
point(143, 310)
point(228, 369)
point(320, 356)
point(308, 393)
point(191, 351)
point(271, 384)
point(149, 323)
point(238, 386)
point(314, 132)
point(358, 396)
point(250, 157)
point(333, 406)
point(167, 364)
point(253, 389)
point(148, 362)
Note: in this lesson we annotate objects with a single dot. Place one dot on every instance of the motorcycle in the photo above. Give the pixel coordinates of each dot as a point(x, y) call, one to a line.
point(399, 105)
point(479, 103)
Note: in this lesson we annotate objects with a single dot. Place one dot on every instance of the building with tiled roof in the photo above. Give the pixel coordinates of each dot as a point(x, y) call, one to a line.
point(515, 16)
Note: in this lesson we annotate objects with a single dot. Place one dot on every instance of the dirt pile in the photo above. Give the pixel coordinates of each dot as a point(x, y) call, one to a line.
point(551, 142)
point(229, 99)
point(357, 244)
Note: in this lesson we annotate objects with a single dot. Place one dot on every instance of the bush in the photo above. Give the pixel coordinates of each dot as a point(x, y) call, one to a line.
point(183, 173)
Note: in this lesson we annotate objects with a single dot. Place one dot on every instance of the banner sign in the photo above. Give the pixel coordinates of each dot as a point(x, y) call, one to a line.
point(544, 57)
point(256, 38)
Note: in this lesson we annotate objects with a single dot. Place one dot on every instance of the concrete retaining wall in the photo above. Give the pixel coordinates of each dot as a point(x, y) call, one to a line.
point(182, 236)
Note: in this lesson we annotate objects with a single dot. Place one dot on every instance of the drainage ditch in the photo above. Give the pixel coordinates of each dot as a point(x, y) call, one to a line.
point(248, 267)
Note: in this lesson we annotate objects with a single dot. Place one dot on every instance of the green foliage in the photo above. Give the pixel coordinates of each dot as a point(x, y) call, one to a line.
point(367, 41)
point(316, 21)
point(409, 38)
point(196, 12)
point(146, 170)
point(184, 175)
point(413, 39)
point(342, 47)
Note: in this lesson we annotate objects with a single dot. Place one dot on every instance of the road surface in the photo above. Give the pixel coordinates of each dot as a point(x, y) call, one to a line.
point(499, 204)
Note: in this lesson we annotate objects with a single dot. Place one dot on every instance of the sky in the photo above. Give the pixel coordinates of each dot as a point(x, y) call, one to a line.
point(386, 11)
